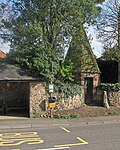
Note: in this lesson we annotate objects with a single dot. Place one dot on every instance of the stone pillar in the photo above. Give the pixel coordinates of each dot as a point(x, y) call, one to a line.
point(105, 100)
point(38, 99)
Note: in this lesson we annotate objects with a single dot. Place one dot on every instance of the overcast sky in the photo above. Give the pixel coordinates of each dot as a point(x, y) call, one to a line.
point(95, 44)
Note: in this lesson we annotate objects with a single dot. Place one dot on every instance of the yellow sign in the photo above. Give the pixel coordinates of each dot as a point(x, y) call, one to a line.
point(51, 105)
point(14, 139)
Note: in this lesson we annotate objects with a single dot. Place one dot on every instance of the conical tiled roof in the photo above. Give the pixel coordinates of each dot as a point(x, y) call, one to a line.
point(80, 53)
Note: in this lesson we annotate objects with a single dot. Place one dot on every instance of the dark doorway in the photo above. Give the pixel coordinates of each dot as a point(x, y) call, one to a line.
point(88, 90)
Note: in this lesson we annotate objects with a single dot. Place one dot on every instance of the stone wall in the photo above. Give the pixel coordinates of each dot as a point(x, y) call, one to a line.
point(98, 96)
point(112, 97)
point(38, 99)
point(35, 95)
point(68, 103)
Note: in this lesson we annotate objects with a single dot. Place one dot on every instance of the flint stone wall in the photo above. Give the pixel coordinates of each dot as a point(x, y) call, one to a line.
point(112, 97)
point(39, 100)
point(69, 103)
point(35, 95)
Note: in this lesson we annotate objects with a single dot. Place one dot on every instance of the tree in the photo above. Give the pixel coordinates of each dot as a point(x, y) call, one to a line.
point(111, 54)
point(109, 32)
point(41, 29)
point(109, 25)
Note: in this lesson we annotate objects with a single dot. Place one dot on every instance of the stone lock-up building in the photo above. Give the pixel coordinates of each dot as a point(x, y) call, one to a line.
point(86, 68)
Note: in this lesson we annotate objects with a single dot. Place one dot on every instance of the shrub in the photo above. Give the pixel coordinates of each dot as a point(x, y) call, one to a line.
point(109, 87)
point(66, 116)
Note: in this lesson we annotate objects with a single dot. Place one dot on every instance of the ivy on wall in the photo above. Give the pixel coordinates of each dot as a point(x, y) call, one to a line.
point(109, 87)
point(69, 89)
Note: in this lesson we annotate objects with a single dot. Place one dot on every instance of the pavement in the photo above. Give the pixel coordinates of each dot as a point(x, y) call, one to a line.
point(7, 122)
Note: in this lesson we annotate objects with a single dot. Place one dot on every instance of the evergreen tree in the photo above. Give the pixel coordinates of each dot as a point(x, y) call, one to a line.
point(41, 29)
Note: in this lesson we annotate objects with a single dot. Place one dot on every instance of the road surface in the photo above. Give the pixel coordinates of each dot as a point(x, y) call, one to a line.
point(88, 137)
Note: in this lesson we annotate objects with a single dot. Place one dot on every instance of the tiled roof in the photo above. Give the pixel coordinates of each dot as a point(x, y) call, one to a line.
point(9, 71)
point(80, 53)
point(2, 54)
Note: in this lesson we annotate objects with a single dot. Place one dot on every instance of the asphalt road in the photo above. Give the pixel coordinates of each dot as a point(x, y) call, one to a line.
point(89, 137)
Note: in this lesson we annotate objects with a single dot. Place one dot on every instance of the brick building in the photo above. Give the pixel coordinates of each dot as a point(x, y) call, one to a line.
point(2, 54)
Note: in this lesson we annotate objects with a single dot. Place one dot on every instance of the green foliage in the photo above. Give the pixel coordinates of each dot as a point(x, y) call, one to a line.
point(109, 87)
point(39, 62)
point(113, 113)
point(74, 116)
point(66, 116)
point(111, 54)
point(39, 30)
point(66, 72)
point(68, 89)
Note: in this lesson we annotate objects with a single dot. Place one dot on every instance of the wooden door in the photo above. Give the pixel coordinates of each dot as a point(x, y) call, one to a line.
point(88, 87)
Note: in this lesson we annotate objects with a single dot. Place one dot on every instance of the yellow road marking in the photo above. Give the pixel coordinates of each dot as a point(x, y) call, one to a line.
point(14, 139)
point(65, 129)
point(74, 144)
point(83, 141)
point(14, 149)
point(22, 134)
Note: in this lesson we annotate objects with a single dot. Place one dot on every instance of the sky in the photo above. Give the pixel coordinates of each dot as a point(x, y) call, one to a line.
point(95, 44)
point(4, 46)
